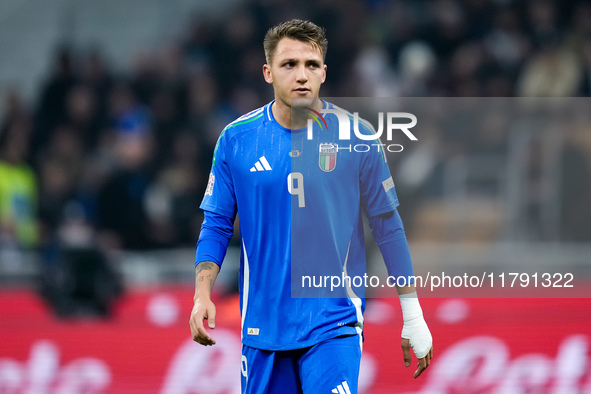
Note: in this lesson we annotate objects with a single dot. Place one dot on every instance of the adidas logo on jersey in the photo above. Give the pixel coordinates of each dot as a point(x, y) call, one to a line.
point(342, 388)
point(261, 165)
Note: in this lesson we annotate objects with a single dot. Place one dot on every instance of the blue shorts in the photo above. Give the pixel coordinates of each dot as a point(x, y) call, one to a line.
point(331, 366)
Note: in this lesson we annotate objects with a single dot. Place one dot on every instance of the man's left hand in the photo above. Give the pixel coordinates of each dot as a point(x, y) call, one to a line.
point(416, 335)
point(423, 362)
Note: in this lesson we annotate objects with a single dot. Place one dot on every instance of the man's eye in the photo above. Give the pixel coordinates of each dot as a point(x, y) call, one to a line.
point(314, 65)
point(289, 64)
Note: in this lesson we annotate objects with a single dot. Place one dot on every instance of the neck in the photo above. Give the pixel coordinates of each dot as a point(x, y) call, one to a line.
point(282, 112)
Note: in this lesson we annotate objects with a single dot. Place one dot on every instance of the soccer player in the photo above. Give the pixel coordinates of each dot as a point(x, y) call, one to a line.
point(288, 190)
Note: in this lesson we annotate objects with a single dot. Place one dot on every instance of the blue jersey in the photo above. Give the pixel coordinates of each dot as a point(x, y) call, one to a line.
point(299, 202)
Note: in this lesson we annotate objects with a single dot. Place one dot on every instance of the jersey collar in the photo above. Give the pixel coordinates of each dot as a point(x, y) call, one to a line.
point(271, 118)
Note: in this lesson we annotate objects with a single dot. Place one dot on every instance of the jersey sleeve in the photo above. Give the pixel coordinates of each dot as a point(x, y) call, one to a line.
point(388, 232)
point(378, 194)
point(219, 195)
point(216, 232)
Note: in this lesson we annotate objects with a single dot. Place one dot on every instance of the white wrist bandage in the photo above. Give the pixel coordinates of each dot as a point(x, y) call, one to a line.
point(415, 328)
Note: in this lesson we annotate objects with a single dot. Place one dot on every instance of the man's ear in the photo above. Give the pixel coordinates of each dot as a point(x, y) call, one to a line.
point(267, 73)
point(324, 75)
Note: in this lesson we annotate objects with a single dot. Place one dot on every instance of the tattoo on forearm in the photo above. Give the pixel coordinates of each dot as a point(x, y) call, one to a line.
point(204, 266)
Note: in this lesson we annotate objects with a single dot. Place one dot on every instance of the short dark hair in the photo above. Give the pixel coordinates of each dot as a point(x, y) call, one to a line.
point(296, 29)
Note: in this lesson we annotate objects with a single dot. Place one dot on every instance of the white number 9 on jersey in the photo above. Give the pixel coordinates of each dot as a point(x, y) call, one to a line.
point(295, 186)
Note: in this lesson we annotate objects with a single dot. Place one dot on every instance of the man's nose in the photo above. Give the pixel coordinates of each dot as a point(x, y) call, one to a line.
point(302, 76)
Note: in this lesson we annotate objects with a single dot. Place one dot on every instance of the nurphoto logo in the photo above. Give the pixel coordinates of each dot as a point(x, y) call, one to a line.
point(345, 119)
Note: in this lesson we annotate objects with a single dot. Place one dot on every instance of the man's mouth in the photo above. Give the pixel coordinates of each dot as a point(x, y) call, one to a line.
point(302, 90)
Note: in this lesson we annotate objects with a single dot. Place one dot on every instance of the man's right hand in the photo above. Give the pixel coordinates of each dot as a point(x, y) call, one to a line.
point(202, 310)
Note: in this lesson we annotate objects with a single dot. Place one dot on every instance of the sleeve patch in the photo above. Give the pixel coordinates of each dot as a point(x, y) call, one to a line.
point(209, 190)
point(388, 184)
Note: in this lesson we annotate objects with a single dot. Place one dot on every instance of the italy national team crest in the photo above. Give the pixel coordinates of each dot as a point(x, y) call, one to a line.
point(327, 159)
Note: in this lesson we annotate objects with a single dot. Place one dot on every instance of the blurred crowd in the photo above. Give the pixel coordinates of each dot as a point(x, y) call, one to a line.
point(120, 159)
